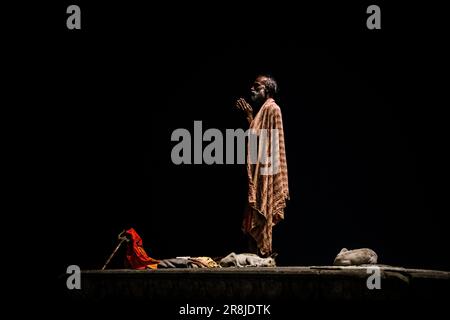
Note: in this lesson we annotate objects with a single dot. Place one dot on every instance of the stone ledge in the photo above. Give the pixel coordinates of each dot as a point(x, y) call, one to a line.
point(312, 283)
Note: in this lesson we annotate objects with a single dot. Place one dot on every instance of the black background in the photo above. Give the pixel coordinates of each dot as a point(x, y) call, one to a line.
point(363, 112)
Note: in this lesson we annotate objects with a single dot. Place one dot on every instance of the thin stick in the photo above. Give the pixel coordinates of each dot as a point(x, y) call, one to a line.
point(122, 239)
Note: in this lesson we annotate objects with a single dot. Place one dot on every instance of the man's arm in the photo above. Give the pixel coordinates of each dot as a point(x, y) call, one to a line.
point(243, 105)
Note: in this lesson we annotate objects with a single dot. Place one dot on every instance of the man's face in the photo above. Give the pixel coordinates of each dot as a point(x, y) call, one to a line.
point(258, 92)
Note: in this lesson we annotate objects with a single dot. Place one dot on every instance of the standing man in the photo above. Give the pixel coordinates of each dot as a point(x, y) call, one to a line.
point(267, 189)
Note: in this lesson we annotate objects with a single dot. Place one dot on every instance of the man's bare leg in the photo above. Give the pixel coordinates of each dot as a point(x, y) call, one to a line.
point(252, 247)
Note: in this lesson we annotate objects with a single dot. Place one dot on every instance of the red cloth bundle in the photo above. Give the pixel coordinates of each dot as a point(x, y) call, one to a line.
point(136, 256)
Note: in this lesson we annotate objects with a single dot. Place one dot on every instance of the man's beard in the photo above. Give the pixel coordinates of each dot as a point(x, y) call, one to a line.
point(257, 97)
